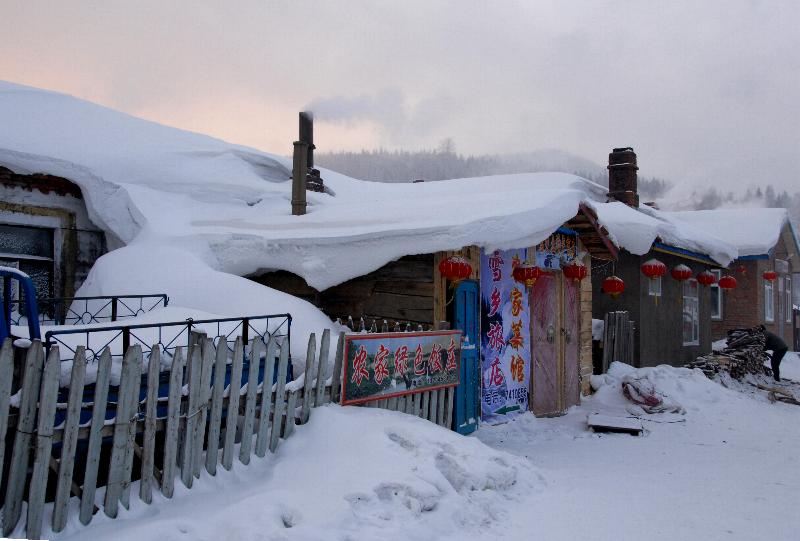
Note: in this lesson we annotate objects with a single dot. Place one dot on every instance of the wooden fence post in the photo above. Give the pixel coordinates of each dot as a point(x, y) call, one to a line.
point(120, 441)
point(44, 443)
point(95, 436)
point(194, 366)
point(277, 416)
point(173, 424)
point(18, 469)
point(246, 442)
point(336, 377)
point(234, 394)
point(70, 440)
point(217, 390)
point(308, 392)
point(324, 348)
point(266, 399)
point(150, 419)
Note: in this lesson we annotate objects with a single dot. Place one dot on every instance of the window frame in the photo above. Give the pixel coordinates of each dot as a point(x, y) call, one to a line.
point(769, 302)
point(715, 287)
point(788, 294)
point(654, 287)
point(693, 298)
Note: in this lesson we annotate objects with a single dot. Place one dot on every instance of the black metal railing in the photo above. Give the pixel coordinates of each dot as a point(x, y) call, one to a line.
point(167, 336)
point(87, 310)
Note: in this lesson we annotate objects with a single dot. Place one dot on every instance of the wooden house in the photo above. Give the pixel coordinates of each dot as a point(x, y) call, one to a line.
point(670, 310)
point(45, 231)
point(768, 258)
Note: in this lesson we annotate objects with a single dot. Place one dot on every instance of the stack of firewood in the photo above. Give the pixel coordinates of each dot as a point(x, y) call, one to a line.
point(743, 354)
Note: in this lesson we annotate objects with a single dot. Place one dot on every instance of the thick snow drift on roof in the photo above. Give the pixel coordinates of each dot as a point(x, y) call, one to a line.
point(230, 205)
point(636, 230)
point(753, 231)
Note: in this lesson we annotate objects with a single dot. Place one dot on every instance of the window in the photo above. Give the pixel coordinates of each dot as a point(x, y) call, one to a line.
point(691, 313)
point(29, 249)
point(654, 288)
point(716, 296)
point(788, 294)
point(769, 302)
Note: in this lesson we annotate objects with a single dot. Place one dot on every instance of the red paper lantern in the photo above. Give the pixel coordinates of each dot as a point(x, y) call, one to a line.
point(681, 272)
point(727, 282)
point(455, 269)
point(575, 272)
point(770, 276)
point(614, 286)
point(527, 274)
point(653, 268)
point(705, 278)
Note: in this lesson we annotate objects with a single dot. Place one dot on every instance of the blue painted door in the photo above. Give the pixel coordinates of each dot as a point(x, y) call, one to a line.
point(466, 317)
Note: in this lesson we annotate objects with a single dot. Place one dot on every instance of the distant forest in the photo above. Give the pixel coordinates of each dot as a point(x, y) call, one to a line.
point(444, 163)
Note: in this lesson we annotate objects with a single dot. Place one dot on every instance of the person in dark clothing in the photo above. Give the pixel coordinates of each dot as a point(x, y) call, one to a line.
point(778, 347)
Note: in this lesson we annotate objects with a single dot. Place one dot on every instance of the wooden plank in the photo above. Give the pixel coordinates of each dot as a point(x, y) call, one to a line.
point(324, 349)
point(6, 370)
point(391, 404)
point(433, 402)
point(246, 443)
point(120, 441)
point(424, 404)
point(280, 386)
point(401, 403)
point(215, 421)
point(291, 406)
point(442, 405)
point(150, 425)
point(308, 389)
point(336, 377)
point(95, 436)
point(18, 468)
point(606, 423)
point(65, 467)
point(234, 393)
point(48, 397)
point(194, 366)
point(203, 397)
point(410, 404)
point(173, 424)
point(133, 416)
point(448, 419)
point(262, 437)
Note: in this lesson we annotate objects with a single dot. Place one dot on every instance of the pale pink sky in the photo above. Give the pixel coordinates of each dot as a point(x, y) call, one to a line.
point(706, 93)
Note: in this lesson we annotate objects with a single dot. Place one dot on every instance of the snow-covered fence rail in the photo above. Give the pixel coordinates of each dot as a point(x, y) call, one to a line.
point(139, 422)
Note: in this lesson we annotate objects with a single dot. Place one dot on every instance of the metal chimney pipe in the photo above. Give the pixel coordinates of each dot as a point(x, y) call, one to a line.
point(299, 172)
point(307, 135)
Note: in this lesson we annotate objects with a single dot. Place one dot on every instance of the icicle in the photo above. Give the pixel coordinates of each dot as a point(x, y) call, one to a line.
point(350, 324)
point(362, 326)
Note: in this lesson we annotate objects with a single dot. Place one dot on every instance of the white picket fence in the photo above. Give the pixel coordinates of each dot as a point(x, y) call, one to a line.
point(189, 435)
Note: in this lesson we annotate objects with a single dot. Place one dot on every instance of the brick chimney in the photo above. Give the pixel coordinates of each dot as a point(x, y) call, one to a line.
point(622, 178)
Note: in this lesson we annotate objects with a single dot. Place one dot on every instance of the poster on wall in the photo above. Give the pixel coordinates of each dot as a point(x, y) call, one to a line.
point(380, 366)
point(505, 337)
point(552, 252)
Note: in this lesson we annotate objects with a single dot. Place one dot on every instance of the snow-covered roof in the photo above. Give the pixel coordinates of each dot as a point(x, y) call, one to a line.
point(230, 205)
point(753, 231)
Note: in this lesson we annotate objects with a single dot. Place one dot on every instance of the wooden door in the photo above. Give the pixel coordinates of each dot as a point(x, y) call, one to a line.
point(571, 343)
point(466, 317)
point(545, 379)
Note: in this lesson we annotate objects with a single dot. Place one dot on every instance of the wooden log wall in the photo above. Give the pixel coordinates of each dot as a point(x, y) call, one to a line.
point(401, 290)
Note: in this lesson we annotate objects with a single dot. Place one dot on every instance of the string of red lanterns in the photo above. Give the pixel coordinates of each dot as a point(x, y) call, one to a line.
point(681, 272)
point(575, 271)
point(613, 286)
point(653, 268)
point(706, 278)
point(727, 282)
point(527, 274)
point(455, 268)
point(770, 275)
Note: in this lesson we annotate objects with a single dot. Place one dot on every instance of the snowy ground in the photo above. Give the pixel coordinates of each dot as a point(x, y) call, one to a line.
point(727, 469)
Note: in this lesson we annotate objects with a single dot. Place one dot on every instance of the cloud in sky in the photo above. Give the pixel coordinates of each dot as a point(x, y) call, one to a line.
point(706, 92)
